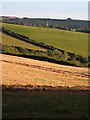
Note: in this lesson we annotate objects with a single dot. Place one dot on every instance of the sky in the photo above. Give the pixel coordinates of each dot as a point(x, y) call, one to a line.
point(52, 9)
point(44, 0)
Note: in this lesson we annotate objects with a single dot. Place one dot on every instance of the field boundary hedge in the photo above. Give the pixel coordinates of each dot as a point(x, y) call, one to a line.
point(52, 54)
point(39, 55)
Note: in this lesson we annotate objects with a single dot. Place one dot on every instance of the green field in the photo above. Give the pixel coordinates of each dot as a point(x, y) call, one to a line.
point(8, 40)
point(66, 40)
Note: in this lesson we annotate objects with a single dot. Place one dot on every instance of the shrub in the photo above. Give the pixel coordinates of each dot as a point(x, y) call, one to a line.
point(81, 58)
point(22, 50)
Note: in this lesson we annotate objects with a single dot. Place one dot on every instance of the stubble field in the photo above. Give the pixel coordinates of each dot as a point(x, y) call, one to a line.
point(17, 70)
point(37, 89)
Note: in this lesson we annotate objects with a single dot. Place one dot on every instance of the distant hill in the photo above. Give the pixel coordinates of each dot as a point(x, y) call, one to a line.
point(66, 24)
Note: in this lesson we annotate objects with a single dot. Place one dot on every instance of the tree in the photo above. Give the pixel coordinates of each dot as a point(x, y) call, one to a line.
point(64, 56)
point(49, 53)
point(89, 58)
point(69, 19)
point(57, 52)
point(73, 57)
point(82, 59)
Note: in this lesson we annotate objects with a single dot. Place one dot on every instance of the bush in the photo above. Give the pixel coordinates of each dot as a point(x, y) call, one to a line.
point(81, 58)
point(22, 50)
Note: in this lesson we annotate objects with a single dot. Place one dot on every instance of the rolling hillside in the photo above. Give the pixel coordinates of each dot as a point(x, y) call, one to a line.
point(41, 89)
point(37, 72)
point(66, 40)
point(70, 23)
point(8, 40)
point(37, 89)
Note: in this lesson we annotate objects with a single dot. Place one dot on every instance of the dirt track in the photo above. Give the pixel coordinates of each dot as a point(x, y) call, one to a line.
point(23, 71)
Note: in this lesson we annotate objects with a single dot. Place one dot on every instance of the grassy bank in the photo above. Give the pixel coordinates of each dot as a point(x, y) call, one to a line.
point(8, 40)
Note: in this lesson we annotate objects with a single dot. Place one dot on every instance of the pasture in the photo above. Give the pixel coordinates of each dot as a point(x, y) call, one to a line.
point(8, 40)
point(70, 41)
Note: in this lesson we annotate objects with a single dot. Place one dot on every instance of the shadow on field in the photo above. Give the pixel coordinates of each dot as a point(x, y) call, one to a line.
point(38, 102)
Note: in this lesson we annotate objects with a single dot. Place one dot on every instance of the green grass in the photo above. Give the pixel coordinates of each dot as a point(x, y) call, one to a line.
point(45, 104)
point(8, 40)
point(67, 40)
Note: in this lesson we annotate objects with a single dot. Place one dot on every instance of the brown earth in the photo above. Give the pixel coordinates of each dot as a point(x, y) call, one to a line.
point(24, 71)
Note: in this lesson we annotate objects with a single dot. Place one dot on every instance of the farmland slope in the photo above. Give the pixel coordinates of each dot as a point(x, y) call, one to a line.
point(8, 40)
point(67, 40)
point(23, 71)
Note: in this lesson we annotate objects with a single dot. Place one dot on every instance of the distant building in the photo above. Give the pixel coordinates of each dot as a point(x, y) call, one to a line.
point(73, 30)
point(47, 23)
point(34, 25)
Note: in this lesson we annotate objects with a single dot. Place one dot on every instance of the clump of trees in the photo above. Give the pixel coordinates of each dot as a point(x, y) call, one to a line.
point(49, 55)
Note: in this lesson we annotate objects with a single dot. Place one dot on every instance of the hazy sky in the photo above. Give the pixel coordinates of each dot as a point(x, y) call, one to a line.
point(62, 10)
point(44, 0)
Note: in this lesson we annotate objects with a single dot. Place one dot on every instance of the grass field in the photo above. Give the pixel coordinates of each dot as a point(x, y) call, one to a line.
point(45, 104)
point(67, 40)
point(8, 40)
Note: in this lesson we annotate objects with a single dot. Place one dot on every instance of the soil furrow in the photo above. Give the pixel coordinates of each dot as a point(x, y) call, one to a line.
point(79, 74)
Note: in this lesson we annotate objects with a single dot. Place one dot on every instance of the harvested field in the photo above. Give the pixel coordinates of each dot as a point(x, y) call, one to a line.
point(37, 89)
point(23, 71)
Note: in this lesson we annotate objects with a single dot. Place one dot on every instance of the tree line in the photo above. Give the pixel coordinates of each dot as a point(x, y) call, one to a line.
point(52, 23)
